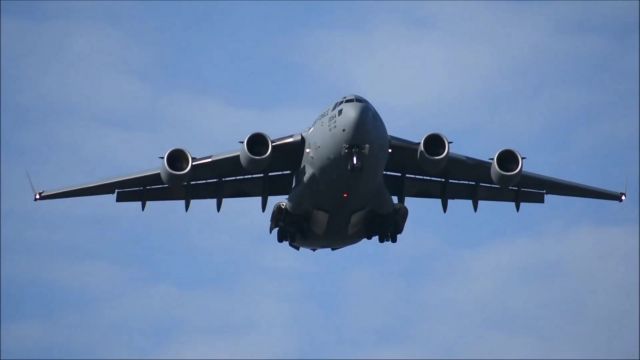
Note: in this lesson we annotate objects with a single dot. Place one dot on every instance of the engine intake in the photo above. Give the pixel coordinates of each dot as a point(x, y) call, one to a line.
point(255, 153)
point(433, 152)
point(506, 167)
point(176, 167)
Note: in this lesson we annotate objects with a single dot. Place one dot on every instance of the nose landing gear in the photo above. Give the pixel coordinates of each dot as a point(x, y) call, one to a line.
point(355, 154)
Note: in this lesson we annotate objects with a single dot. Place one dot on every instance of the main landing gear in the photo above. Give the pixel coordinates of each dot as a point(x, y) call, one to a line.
point(387, 227)
point(288, 224)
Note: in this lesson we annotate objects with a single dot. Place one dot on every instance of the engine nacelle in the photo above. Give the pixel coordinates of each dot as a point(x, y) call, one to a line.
point(433, 152)
point(176, 167)
point(255, 153)
point(506, 167)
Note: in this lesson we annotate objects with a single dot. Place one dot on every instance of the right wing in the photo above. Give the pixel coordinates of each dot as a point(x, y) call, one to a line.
point(215, 176)
point(465, 177)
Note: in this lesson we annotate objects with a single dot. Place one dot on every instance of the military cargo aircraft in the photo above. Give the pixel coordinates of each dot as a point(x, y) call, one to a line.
point(339, 177)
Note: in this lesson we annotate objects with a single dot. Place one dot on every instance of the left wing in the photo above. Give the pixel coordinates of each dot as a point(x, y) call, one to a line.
point(215, 176)
point(470, 178)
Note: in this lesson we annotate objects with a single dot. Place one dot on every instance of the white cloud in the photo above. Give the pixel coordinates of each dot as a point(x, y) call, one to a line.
point(85, 79)
point(563, 293)
point(88, 65)
point(461, 60)
point(560, 293)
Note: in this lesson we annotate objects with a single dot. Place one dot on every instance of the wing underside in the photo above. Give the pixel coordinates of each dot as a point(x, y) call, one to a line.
point(464, 177)
point(252, 186)
point(411, 186)
point(212, 177)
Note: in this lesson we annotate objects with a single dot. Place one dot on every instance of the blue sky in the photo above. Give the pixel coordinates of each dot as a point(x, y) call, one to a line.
point(94, 90)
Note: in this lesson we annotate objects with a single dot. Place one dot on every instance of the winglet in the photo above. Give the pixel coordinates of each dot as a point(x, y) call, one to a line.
point(623, 195)
point(36, 194)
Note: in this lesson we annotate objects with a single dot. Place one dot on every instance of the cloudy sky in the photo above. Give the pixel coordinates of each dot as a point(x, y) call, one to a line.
point(94, 90)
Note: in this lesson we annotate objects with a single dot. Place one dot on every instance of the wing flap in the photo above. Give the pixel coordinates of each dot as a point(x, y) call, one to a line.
point(438, 189)
point(271, 185)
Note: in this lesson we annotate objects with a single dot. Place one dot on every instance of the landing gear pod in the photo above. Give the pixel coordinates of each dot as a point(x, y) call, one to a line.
point(176, 166)
point(255, 153)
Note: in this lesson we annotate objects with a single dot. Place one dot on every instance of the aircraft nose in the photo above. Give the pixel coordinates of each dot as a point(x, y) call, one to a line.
point(358, 122)
point(360, 116)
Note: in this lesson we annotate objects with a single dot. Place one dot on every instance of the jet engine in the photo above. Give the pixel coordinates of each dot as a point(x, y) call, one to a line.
point(255, 153)
point(176, 166)
point(506, 167)
point(433, 151)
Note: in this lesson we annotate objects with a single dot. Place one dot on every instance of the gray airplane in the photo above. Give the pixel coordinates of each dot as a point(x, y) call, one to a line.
point(339, 176)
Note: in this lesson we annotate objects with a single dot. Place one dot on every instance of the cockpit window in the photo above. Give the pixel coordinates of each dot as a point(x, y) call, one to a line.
point(345, 100)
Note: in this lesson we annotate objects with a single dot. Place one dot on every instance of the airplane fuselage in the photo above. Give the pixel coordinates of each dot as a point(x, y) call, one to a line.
point(340, 183)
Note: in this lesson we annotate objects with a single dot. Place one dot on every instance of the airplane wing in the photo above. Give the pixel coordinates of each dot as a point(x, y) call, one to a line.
point(464, 177)
point(215, 176)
